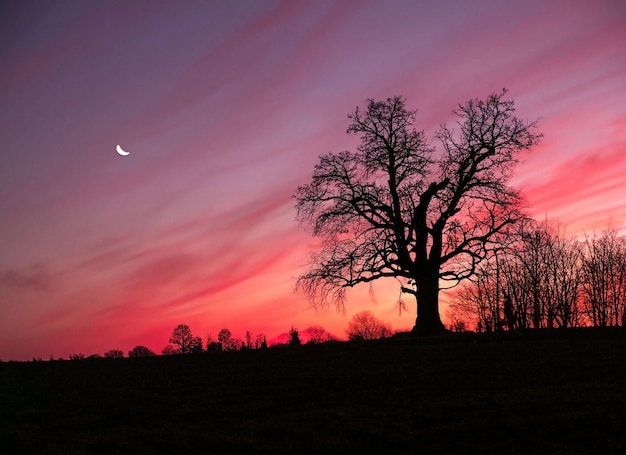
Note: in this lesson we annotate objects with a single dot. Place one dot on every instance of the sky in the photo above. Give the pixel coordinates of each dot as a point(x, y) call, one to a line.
point(225, 108)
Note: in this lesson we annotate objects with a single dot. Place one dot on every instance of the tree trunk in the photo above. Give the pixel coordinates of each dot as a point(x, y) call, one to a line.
point(428, 321)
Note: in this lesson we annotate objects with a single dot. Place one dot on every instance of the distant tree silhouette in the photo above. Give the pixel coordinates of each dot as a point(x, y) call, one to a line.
point(225, 338)
point(457, 323)
point(395, 208)
point(294, 337)
point(183, 341)
point(78, 356)
point(545, 279)
point(260, 341)
point(317, 334)
point(550, 271)
point(114, 354)
point(196, 345)
point(170, 349)
point(209, 342)
point(509, 312)
point(214, 346)
point(458, 326)
point(237, 344)
point(366, 326)
point(248, 339)
point(604, 279)
point(140, 351)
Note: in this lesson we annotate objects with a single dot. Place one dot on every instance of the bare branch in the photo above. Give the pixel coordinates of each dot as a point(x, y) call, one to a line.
point(392, 209)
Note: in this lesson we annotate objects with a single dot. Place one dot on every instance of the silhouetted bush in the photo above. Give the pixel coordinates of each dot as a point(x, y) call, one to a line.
point(366, 326)
point(114, 354)
point(140, 351)
point(170, 349)
point(214, 346)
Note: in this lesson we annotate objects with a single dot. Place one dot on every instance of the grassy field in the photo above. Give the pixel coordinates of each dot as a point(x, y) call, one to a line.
point(556, 392)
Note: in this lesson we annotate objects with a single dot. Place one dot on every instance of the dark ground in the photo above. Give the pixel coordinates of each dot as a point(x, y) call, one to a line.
point(556, 392)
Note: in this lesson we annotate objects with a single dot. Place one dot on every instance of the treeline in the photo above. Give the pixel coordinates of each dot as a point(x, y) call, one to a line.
point(362, 326)
point(543, 278)
point(182, 341)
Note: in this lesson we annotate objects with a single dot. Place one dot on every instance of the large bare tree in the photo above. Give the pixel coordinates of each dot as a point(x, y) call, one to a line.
point(398, 207)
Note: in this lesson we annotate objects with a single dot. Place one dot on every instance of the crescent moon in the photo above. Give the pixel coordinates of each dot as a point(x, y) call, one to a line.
point(121, 151)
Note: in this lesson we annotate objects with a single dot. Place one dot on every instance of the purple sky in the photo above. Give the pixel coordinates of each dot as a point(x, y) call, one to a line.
point(225, 107)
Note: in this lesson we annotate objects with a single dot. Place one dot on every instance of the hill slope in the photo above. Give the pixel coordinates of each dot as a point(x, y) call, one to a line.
point(557, 392)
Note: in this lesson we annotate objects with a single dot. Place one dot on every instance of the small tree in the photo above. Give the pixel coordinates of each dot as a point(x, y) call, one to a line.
point(604, 279)
point(114, 354)
point(140, 351)
point(196, 345)
point(294, 337)
point(366, 326)
point(259, 340)
point(238, 344)
point(225, 338)
point(184, 341)
point(212, 345)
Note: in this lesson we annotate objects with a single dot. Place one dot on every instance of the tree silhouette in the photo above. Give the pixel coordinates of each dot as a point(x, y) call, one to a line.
point(396, 208)
point(604, 276)
point(140, 351)
point(317, 334)
point(294, 337)
point(366, 326)
point(183, 341)
point(545, 279)
point(260, 341)
point(196, 345)
point(114, 354)
point(225, 338)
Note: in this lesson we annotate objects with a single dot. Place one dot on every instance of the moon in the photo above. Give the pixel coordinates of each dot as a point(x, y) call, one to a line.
point(121, 151)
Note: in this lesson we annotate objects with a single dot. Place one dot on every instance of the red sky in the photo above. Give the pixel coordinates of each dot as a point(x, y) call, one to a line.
point(225, 107)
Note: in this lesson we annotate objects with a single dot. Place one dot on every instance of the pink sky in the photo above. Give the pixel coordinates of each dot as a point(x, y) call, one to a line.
point(225, 107)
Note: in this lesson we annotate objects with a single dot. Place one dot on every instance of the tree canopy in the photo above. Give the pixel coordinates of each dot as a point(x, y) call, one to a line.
point(183, 342)
point(399, 207)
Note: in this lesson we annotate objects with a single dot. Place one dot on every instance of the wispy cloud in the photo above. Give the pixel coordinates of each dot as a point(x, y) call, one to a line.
point(34, 278)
